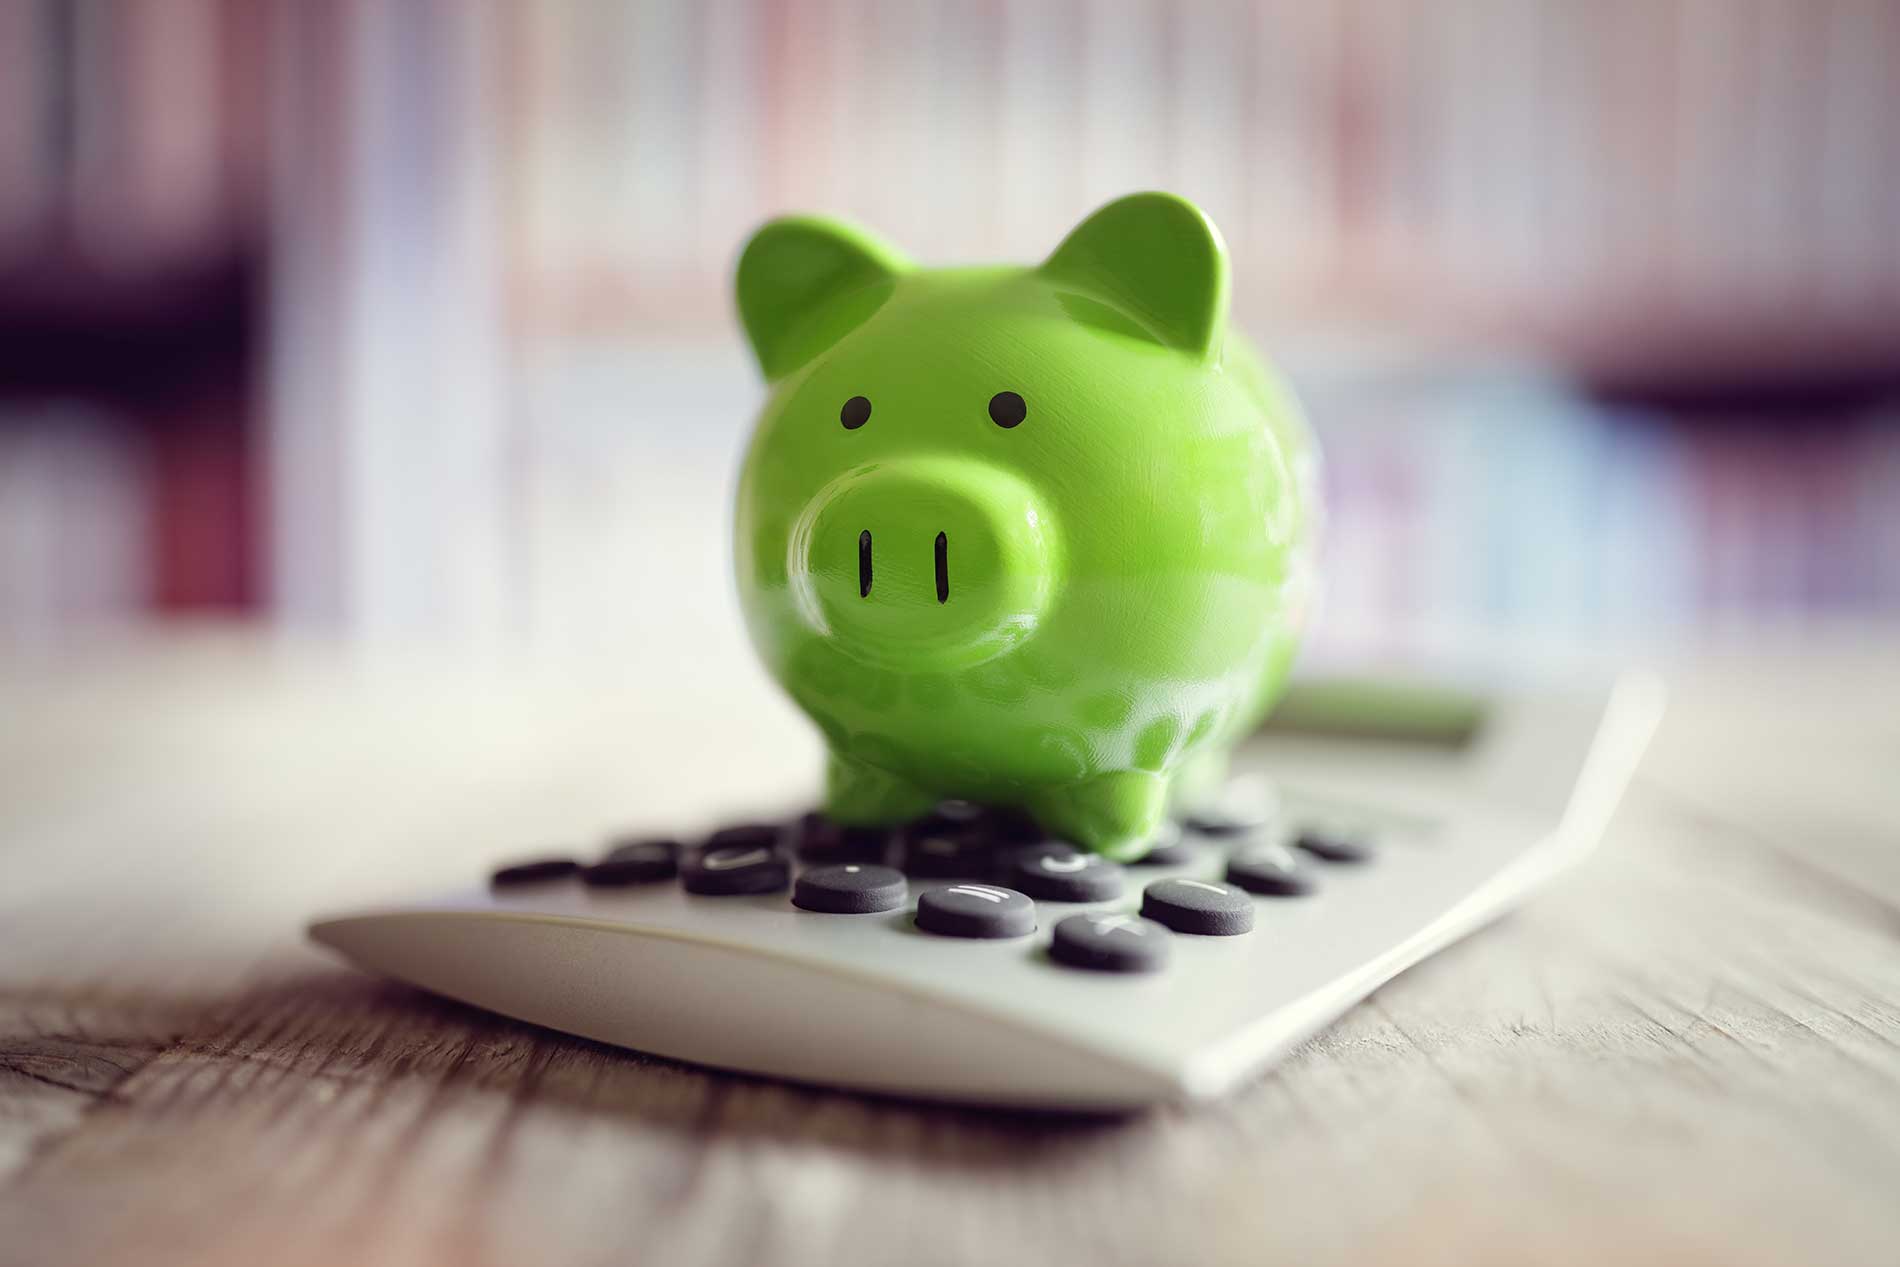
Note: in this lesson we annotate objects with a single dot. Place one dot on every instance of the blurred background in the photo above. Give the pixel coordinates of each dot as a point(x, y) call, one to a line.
point(407, 322)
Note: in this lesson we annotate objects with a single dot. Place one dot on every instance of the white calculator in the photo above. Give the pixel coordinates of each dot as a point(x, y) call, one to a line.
point(964, 958)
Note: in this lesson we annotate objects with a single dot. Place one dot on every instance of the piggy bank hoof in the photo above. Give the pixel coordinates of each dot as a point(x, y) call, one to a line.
point(1115, 814)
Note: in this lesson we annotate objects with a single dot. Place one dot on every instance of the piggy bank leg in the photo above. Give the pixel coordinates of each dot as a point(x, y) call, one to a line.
point(1113, 814)
point(861, 794)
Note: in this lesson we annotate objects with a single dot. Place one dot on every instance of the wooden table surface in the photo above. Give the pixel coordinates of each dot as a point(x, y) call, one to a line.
point(1687, 1051)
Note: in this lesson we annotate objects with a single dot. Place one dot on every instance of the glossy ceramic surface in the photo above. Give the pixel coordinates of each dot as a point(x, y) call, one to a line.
point(1035, 536)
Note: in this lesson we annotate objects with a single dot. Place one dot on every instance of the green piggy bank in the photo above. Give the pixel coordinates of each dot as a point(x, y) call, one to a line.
point(1032, 537)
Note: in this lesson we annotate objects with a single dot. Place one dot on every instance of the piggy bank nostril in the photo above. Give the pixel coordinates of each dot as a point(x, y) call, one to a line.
point(870, 550)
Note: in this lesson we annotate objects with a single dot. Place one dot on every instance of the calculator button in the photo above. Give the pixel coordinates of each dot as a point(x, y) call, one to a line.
point(731, 869)
point(863, 844)
point(533, 871)
point(1169, 848)
point(1198, 906)
point(1333, 847)
point(817, 835)
point(634, 862)
point(850, 888)
point(976, 910)
point(746, 836)
point(1110, 942)
point(950, 816)
point(1268, 868)
point(821, 840)
point(1059, 872)
point(1007, 825)
point(999, 825)
point(1244, 805)
point(943, 855)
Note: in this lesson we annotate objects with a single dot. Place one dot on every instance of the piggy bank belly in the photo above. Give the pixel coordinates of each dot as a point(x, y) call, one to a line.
point(1086, 739)
point(1066, 704)
point(934, 619)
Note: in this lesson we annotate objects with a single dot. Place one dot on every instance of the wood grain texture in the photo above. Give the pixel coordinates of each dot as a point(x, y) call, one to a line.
point(1687, 1052)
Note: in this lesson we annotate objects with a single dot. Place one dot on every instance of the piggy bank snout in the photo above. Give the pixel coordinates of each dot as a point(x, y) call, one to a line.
point(923, 562)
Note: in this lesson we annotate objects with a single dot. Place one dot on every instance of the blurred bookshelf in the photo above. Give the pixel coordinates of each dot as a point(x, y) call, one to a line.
point(410, 320)
point(132, 146)
point(1649, 191)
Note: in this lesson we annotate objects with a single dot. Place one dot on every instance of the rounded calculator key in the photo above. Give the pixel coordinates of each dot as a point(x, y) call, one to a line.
point(1333, 847)
point(733, 869)
point(976, 910)
point(1246, 804)
point(634, 862)
point(817, 835)
point(746, 836)
point(1110, 941)
point(946, 854)
point(1268, 868)
point(1060, 872)
point(851, 888)
point(998, 824)
point(1198, 906)
point(821, 840)
point(533, 871)
point(1178, 854)
point(1170, 847)
point(948, 816)
point(1008, 825)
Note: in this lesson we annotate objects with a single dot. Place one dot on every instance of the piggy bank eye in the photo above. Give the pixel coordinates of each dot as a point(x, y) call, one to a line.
point(856, 412)
point(1007, 409)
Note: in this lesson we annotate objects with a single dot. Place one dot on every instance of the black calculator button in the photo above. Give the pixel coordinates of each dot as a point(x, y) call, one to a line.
point(1059, 872)
point(850, 888)
point(863, 844)
point(1169, 848)
point(1198, 906)
point(821, 840)
point(1110, 941)
point(1243, 806)
point(724, 870)
point(1178, 854)
point(634, 862)
point(1333, 847)
point(1268, 868)
point(817, 836)
point(998, 824)
point(533, 871)
point(976, 910)
point(950, 816)
point(1007, 825)
point(942, 855)
point(746, 836)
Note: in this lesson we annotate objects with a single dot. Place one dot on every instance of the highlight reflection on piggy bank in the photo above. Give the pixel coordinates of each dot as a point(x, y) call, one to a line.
point(1036, 537)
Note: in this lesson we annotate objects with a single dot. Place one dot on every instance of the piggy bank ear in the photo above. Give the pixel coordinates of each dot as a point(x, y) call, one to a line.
point(1159, 260)
point(805, 282)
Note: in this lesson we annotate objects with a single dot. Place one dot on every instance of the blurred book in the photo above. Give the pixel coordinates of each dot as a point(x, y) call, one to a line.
point(132, 136)
point(74, 523)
